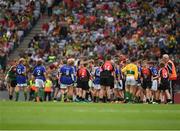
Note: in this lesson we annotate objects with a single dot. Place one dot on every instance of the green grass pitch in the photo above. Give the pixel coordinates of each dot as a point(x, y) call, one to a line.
point(88, 116)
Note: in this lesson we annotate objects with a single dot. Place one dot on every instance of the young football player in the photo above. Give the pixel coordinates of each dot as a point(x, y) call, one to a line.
point(11, 81)
point(83, 77)
point(107, 79)
point(131, 73)
point(155, 83)
point(146, 78)
point(39, 73)
point(139, 92)
point(66, 77)
point(164, 83)
point(96, 81)
point(118, 87)
point(21, 78)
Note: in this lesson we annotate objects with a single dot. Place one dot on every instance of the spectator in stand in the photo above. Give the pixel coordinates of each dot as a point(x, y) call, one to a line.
point(50, 6)
point(16, 19)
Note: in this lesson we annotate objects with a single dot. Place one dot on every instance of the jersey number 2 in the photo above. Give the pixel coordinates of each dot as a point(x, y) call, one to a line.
point(38, 72)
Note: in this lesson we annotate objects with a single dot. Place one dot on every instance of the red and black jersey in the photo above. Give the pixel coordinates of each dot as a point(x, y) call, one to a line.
point(146, 74)
point(83, 73)
point(164, 74)
point(108, 66)
point(107, 70)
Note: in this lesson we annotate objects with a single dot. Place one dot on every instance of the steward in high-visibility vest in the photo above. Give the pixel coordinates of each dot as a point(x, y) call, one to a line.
point(172, 73)
point(51, 58)
point(47, 90)
point(170, 66)
point(48, 86)
point(172, 70)
point(32, 87)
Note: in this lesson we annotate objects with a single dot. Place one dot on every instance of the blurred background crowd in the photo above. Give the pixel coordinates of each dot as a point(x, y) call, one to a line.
point(91, 29)
point(16, 19)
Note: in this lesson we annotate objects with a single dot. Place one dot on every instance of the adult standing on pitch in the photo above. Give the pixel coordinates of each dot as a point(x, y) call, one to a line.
point(107, 78)
point(172, 73)
point(39, 73)
point(21, 78)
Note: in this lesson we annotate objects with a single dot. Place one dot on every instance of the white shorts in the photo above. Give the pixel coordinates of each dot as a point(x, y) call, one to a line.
point(118, 85)
point(130, 81)
point(90, 83)
point(154, 85)
point(39, 83)
point(65, 86)
point(22, 85)
point(97, 86)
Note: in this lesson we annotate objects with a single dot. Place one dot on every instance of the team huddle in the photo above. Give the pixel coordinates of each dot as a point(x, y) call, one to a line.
point(111, 80)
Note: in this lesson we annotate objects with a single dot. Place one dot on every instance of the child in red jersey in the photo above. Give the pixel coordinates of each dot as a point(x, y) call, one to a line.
point(83, 77)
point(164, 82)
point(146, 78)
point(107, 79)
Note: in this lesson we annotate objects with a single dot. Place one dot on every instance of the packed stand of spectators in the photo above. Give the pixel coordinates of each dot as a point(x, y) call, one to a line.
point(16, 19)
point(144, 29)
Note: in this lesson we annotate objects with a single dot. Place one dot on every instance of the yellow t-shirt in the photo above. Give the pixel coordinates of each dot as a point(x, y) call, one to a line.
point(131, 70)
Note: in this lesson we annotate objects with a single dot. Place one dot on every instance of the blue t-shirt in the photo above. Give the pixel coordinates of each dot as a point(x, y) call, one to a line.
point(20, 70)
point(139, 70)
point(154, 70)
point(67, 72)
point(38, 72)
point(118, 73)
point(97, 75)
point(75, 70)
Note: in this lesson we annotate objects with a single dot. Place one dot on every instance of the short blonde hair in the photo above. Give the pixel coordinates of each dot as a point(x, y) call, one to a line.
point(165, 56)
point(70, 61)
point(21, 60)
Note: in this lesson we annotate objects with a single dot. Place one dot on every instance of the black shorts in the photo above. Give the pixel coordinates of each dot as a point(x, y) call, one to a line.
point(112, 82)
point(84, 85)
point(124, 84)
point(105, 74)
point(146, 84)
point(56, 84)
point(13, 83)
point(109, 81)
point(164, 85)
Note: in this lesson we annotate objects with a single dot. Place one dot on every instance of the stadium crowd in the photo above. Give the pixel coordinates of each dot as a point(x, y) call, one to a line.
point(92, 30)
point(16, 20)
